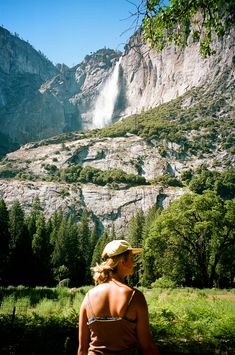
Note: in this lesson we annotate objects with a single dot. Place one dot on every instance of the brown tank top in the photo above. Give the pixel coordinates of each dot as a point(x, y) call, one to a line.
point(112, 335)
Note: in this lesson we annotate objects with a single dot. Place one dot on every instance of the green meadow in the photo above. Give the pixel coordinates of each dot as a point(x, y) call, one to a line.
point(44, 320)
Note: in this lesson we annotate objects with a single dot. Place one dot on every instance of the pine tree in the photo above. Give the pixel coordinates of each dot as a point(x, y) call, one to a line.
point(20, 248)
point(102, 241)
point(113, 235)
point(85, 247)
point(147, 266)
point(59, 251)
point(93, 237)
point(4, 240)
point(53, 225)
point(72, 253)
point(35, 211)
point(16, 224)
point(41, 252)
point(136, 228)
point(152, 213)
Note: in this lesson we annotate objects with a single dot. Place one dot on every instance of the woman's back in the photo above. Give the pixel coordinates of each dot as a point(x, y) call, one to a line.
point(112, 299)
point(111, 319)
point(113, 316)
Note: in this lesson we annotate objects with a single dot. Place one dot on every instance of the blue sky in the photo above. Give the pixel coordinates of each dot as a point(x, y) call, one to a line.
point(66, 30)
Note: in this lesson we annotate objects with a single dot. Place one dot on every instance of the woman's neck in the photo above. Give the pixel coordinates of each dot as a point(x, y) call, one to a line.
point(118, 279)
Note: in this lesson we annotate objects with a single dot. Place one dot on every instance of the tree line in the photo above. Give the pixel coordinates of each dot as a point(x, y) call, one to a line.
point(189, 243)
point(39, 252)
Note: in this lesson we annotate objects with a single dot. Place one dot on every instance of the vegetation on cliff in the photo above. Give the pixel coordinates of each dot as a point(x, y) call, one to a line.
point(201, 122)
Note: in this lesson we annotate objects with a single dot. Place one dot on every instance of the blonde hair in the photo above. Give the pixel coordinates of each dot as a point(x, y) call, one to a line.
point(103, 272)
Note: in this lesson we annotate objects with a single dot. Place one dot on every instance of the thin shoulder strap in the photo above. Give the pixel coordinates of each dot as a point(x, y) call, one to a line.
point(89, 306)
point(128, 304)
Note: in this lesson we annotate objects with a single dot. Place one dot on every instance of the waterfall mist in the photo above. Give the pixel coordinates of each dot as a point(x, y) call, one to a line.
point(105, 103)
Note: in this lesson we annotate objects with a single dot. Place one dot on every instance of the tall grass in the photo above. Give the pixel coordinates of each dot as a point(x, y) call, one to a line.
point(193, 319)
point(42, 301)
point(184, 320)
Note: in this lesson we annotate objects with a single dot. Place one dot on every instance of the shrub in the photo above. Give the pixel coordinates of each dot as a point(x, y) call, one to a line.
point(163, 282)
point(167, 180)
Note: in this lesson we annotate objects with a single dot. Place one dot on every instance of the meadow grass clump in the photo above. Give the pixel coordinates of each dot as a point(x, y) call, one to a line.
point(188, 317)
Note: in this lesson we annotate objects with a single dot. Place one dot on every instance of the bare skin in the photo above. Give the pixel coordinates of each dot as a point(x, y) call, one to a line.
point(111, 298)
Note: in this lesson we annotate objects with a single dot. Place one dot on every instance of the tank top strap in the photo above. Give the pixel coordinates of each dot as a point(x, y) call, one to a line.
point(128, 304)
point(89, 306)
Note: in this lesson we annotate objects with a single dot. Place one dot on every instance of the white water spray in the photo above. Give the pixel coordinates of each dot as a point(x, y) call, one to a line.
point(105, 103)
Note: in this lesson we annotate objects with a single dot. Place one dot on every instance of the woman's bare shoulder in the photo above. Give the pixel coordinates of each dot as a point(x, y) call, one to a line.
point(101, 288)
point(139, 297)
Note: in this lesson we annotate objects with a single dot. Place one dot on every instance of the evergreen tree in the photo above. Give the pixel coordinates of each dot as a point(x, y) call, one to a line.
point(85, 247)
point(20, 248)
point(4, 240)
point(152, 214)
point(41, 252)
point(59, 251)
point(85, 234)
point(150, 217)
point(93, 237)
point(72, 253)
point(53, 225)
point(35, 211)
point(16, 224)
point(67, 259)
point(113, 235)
point(102, 241)
point(136, 228)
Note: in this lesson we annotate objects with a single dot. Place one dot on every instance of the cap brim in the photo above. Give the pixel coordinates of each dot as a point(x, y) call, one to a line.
point(136, 250)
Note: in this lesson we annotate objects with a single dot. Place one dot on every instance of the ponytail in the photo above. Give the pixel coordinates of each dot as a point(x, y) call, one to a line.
point(104, 271)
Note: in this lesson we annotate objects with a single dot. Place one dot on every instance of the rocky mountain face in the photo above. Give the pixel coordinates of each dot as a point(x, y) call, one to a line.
point(113, 204)
point(33, 170)
point(152, 78)
point(26, 113)
point(39, 100)
point(109, 88)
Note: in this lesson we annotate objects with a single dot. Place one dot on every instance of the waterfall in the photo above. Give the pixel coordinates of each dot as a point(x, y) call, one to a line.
point(105, 103)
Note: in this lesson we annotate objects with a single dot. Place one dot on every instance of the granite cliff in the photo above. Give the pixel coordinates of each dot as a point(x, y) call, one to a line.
point(112, 85)
point(154, 149)
point(27, 114)
point(112, 204)
point(190, 124)
point(39, 100)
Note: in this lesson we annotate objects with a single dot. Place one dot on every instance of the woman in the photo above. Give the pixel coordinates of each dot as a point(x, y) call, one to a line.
point(113, 316)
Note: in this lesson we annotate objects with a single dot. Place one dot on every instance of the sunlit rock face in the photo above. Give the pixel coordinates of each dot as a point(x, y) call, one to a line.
point(151, 78)
point(39, 100)
point(113, 204)
point(112, 86)
point(143, 78)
